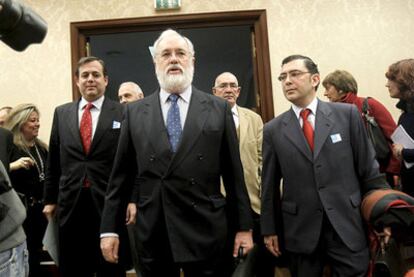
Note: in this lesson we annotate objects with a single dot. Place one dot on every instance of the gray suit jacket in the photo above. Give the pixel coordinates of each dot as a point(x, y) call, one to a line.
point(180, 190)
point(331, 180)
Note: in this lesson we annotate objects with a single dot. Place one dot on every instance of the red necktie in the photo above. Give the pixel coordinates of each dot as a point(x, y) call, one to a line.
point(86, 128)
point(307, 127)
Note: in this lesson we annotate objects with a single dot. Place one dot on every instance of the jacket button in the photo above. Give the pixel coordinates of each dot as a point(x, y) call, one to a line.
point(152, 158)
point(200, 157)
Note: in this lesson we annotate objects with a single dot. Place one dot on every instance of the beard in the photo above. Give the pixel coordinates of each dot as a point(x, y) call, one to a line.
point(176, 82)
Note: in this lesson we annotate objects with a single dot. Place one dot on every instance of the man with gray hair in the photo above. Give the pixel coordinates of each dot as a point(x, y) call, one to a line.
point(129, 92)
point(174, 146)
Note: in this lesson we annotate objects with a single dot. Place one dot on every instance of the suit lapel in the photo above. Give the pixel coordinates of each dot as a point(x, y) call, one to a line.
point(294, 133)
point(73, 123)
point(154, 126)
point(196, 117)
point(323, 126)
point(104, 123)
point(243, 127)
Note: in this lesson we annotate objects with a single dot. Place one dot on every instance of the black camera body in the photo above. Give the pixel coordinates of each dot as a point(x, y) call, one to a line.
point(20, 26)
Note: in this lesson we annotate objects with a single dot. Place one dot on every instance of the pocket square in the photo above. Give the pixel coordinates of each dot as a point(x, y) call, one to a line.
point(116, 125)
point(335, 138)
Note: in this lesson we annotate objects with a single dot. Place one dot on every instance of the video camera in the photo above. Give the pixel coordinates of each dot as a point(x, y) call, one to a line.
point(20, 25)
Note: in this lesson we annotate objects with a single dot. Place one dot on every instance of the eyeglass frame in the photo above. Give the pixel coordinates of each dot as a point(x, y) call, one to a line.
point(294, 74)
point(231, 85)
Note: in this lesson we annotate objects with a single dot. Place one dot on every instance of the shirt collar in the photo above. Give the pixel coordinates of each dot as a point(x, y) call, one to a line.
point(185, 95)
point(235, 111)
point(312, 106)
point(97, 103)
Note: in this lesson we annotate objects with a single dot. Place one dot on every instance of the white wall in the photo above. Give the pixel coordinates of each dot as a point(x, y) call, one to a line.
point(361, 36)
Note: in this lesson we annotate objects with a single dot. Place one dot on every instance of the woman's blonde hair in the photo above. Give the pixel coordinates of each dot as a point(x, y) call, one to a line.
point(18, 116)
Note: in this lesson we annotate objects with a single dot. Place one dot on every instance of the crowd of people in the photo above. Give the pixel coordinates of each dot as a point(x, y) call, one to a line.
point(181, 181)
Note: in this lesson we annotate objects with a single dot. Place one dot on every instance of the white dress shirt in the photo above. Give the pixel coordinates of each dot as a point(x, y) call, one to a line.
point(95, 111)
point(235, 114)
point(183, 103)
point(311, 118)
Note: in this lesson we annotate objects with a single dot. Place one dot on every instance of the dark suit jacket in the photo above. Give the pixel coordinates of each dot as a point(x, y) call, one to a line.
point(331, 181)
point(6, 148)
point(68, 164)
point(180, 190)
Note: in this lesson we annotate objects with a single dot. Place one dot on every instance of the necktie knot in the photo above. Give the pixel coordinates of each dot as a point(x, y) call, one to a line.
point(173, 98)
point(88, 106)
point(307, 127)
point(305, 113)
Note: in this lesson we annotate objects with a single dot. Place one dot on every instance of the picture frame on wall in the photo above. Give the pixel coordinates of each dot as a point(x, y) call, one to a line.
point(167, 4)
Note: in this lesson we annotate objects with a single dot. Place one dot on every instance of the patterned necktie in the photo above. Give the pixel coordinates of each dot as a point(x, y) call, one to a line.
point(86, 128)
point(174, 122)
point(307, 127)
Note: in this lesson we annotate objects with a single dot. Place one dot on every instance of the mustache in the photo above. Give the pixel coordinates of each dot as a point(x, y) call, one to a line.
point(174, 66)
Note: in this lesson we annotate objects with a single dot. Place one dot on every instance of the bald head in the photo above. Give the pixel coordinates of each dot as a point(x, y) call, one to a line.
point(227, 87)
point(129, 92)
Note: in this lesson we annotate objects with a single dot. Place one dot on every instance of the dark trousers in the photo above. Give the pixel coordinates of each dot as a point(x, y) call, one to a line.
point(157, 260)
point(265, 262)
point(132, 235)
point(34, 227)
point(332, 251)
point(79, 241)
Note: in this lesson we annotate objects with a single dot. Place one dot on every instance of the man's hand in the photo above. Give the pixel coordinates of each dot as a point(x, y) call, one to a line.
point(243, 239)
point(49, 211)
point(131, 214)
point(109, 248)
point(272, 244)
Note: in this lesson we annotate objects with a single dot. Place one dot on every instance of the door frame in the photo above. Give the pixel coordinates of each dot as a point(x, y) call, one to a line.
point(79, 31)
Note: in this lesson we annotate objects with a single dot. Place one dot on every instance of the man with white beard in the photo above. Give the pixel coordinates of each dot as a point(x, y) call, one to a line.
point(174, 146)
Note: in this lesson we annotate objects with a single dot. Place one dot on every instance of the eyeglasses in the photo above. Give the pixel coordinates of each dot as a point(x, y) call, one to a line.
point(293, 75)
point(225, 85)
point(179, 54)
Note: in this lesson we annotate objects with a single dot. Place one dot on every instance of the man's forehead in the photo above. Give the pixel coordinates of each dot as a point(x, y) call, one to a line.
point(226, 78)
point(91, 67)
point(172, 42)
point(298, 64)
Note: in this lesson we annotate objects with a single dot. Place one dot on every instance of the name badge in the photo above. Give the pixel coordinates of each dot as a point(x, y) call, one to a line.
point(116, 125)
point(335, 138)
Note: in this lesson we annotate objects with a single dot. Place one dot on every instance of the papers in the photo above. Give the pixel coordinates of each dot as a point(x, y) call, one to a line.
point(400, 136)
point(50, 240)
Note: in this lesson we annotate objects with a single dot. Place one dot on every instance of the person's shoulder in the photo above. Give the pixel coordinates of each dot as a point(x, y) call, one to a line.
point(375, 103)
point(112, 104)
point(210, 98)
point(249, 113)
point(336, 106)
point(278, 119)
point(4, 132)
point(66, 105)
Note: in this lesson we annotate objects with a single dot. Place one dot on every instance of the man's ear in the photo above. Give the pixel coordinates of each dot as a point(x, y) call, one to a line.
point(316, 79)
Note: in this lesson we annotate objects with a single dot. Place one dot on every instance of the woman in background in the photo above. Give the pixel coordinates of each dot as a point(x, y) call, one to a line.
point(341, 86)
point(27, 173)
point(400, 85)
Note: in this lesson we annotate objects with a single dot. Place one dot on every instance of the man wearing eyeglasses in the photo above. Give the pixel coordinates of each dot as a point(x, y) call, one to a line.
point(174, 146)
point(327, 164)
